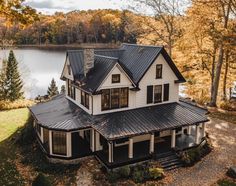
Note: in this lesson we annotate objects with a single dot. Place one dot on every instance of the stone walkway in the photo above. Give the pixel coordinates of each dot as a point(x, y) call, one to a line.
point(214, 166)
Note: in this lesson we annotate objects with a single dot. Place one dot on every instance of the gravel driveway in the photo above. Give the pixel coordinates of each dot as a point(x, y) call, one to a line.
point(214, 166)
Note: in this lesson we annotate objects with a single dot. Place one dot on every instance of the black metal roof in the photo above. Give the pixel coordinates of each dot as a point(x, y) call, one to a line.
point(62, 114)
point(134, 59)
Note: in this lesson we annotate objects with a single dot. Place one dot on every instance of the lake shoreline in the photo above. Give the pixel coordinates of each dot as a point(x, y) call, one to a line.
point(65, 47)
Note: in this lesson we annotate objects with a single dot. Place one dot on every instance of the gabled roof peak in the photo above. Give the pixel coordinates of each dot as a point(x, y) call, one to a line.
point(141, 45)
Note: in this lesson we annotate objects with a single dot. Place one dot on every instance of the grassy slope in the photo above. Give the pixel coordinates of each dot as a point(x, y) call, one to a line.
point(10, 122)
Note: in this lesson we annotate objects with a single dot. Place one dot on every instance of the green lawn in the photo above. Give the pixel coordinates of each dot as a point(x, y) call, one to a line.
point(11, 120)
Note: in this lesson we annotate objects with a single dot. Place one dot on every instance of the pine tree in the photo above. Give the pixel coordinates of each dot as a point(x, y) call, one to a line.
point(13, 80)
point(3, 86)
point(63, 89)
point(53, 89)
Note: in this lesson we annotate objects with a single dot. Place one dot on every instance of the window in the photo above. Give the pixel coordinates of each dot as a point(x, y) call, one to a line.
point(115, 95)
point(46, 139)
point(69, 69)
point(158, 71)
point(149, 94)
point(124, 97)
point(115, 98)
point(71, 91)
point(106, 99)
point(157, 93)
point(166, 92)
point(85, 99)
point(115, 78)
point(38, 128)
point(59, 143)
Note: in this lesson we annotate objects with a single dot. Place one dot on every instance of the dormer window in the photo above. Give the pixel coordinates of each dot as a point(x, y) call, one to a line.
point(158, 71)
point(115, 78)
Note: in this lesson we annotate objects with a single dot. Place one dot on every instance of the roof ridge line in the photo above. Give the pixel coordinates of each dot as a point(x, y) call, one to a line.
point(141, 45)
point(109, 57)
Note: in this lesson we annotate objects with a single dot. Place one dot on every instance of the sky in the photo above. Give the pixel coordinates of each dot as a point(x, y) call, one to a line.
point(51, 6)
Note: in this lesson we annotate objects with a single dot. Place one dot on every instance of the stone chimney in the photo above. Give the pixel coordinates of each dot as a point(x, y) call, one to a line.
point(88, 60)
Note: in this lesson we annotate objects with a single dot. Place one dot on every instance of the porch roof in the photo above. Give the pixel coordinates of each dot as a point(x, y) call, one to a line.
point(62, 114)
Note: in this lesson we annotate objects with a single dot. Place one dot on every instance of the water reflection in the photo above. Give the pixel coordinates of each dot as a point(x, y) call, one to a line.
point(38, 67)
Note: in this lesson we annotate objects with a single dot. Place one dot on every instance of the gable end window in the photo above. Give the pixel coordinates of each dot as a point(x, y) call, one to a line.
point(158, 71)
point(115, 78)
point(157, 93)
point(166, 92)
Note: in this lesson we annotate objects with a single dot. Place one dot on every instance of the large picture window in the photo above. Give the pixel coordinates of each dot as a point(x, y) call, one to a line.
point(115, 98)
point(157, 93)
point(106, 99)
point(59, 143)
point(124, 97)
point(158, 71)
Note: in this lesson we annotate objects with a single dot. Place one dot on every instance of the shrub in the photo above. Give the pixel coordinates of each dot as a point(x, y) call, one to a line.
point(226, 105)
point(112, 177)
point(138, 176)
point(124, 171)
point(41, 180)
point(156, 173)
point(21, 103)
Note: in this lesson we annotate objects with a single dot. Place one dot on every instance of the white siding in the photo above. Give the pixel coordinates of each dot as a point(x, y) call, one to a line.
point(137, 99)
point(65, 72)
point(149, 78)
point(124, 81)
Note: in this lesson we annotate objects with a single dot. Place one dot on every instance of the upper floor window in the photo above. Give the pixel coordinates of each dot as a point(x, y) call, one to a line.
point(71, 92)
point(85, 99)
point(115, 78)
point(154, 94)
point(158, 71)
point(115, 98)
point(166, 92)
point(157, 93)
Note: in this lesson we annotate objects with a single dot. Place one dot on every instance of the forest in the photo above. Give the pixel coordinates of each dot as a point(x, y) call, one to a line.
point(201, 37)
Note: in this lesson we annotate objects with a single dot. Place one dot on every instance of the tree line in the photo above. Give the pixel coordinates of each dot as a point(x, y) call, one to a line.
point(199, 35)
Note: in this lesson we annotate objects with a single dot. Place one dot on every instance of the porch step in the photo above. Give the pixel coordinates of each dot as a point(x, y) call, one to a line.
point(169, 160)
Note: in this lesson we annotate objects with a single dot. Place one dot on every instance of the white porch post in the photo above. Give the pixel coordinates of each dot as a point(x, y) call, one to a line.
point(68, 144)
point(152, 144)
point(203, 129)
point(197, 134)
point(130, 147)
point(189, 130)
point(92, 140)
point(110, 151)
point(41, 136)
point(81, 133)
point(50, 142)
point(173, 138)
point(98, 146)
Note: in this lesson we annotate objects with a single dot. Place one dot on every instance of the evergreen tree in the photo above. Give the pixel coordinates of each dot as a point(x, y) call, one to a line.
point(13, 80)
point(53, 89)
point(63, 89)
point(3, 86)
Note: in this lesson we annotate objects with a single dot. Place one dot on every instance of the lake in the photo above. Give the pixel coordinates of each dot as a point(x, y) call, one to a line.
point(38, 67)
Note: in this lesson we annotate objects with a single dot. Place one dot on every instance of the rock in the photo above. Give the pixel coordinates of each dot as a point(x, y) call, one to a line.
point(232, 172)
